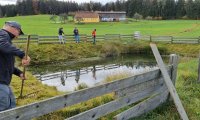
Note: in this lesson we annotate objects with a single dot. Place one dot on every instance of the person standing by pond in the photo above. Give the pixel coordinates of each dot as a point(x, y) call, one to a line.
point(76, 35)
point(94, 36)
point(60, 35)
point(10, 30)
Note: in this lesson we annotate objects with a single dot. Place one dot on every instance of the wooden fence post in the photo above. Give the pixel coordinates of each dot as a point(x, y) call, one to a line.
point(199, 71)
point(169, 83)
point(119, 36)
point(150, 38)
point(171, 39)
point(38, 39)
point(199, 40)
point(173, 60)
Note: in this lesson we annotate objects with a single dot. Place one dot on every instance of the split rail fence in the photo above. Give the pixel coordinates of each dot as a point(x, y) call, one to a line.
point(86, 38)
point(145, 90)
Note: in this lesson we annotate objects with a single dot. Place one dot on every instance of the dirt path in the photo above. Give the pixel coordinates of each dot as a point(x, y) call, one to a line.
point(193, 28)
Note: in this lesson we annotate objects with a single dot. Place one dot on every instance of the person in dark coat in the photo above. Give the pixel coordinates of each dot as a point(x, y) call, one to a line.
point(10, 30)
point(76, 35)
point(60, 35)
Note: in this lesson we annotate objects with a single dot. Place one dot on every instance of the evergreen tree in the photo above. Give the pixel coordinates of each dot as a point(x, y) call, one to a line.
point(169, 9)
point(196, 9)
point(180, 9)
point(21, 7)
point(190, 9)
point(118, 5)
point(35, 6)
point(29, 7)
point(146, 8)
point(1, 12)
point(96, 6)
point(10, 11)
point(42, 7)
point(154, 11)
point(160, 8)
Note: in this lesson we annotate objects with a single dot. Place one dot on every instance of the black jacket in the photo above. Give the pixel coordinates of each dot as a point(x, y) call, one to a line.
point(60, 31)
point(7, 60)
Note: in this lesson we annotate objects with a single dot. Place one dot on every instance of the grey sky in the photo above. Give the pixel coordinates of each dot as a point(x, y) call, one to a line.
point(4, 2)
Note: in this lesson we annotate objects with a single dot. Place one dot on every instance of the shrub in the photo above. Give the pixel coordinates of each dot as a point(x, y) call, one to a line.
point(149, 18)
point(158, 18)
point(137, 16)
point(185, 17)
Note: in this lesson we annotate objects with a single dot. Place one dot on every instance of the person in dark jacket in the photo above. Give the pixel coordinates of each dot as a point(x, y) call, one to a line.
point(10, 30)
point(76, 35)
point(60, 35)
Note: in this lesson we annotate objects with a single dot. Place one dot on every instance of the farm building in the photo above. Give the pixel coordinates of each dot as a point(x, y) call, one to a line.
point(111, 16)
point(86, 17)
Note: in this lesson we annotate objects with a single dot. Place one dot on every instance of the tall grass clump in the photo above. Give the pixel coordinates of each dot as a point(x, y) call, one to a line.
point(33, 90)
point(81, 86)
point(109, 50)
point(117, 76)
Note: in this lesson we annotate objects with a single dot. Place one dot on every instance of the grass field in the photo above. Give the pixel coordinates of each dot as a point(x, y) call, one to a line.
point(41, 25)
point(187, 87)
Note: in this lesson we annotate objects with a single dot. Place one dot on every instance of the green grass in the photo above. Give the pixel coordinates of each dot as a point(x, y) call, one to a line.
point(56, 52)
point(188, 90)
point(33, 90)
point(41, 25)
point(186, 84)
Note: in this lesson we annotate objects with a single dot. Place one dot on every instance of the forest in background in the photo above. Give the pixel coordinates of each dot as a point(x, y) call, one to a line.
point(155, 9)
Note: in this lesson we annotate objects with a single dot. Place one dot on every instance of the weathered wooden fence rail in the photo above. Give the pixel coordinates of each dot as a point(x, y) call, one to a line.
point(146, 88)
point(88, 38)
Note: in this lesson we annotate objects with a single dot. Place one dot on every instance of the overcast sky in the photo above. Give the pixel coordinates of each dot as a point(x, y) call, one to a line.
point(4, 2)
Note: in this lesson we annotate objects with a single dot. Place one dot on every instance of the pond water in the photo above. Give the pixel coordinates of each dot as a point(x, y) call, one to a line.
point(67, 76)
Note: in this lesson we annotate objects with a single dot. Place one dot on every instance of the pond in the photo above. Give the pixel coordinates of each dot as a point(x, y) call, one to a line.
point(67, 76)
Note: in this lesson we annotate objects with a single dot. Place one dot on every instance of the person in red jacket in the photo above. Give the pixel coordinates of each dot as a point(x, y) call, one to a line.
point(94, 36)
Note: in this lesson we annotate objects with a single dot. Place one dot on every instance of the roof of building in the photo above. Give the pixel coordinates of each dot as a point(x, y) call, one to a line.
point(111, 12)
point(86, 14)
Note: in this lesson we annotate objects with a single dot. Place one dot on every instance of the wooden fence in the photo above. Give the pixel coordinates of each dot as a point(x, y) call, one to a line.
point(86, 38)
point(146, 90)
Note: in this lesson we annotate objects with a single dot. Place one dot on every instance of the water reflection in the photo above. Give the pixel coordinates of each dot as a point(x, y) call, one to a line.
point(68, 80)
point(77, 76)
point(62, 78)
point(94, 72)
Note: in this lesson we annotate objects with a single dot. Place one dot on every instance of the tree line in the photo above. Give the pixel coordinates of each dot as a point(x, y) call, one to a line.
point(155, 9)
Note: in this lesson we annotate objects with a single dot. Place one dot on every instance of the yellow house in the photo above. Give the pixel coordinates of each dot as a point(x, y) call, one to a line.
point(86, 17)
